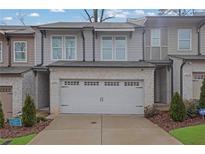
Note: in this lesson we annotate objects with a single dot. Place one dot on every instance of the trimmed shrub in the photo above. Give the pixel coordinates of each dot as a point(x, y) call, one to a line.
point(202, 95)
point(150, 111)
point(177, 108)
point(1, 116)
point(29, 112)
point(191, 108)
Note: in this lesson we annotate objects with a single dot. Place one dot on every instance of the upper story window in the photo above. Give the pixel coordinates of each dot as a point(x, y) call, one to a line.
point(70, 46)
point(57, 47)
point(64, 47)
point(20, 51)
point(184, 39)
point(155, 37)
point(114, 47)
point(1, 52)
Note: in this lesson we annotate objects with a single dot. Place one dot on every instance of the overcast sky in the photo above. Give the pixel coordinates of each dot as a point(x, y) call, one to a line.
point(36, 17)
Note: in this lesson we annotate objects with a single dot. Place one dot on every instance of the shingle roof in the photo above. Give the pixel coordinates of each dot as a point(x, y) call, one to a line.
point(16, 30)
point(13, 70)
point(189, 57)
point(87, 24)
point(111, 64)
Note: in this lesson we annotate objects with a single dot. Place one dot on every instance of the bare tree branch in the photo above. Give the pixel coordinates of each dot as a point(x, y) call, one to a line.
point(95, 15)
point(21, 16)
point(89, 17)
point(177, 12)
point(102, 14)
point(107, 18)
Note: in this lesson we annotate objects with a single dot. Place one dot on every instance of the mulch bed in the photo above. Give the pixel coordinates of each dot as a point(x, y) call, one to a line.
point(12, 132)
point(164, 121)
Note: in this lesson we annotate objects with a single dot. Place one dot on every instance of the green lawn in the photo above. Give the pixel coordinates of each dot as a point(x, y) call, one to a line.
point(194, 135)
point(1, 141)
point(19, 140)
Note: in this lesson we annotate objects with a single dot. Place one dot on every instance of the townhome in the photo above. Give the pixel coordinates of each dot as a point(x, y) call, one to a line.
point(95, 67)
point(17, 57)
point(176, 44)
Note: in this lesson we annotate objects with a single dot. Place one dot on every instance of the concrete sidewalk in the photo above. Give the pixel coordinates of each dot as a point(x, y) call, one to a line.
point(69, 129)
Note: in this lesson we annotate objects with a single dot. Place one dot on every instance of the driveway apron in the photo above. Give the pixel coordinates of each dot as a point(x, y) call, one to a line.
point(81, 129)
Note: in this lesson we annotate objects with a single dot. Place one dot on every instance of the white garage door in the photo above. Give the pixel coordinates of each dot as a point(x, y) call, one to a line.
point(108, 97)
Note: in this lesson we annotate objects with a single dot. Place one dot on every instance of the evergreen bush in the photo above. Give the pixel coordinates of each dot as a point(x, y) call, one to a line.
point(29, 112)
point(1, 116)
point(202, 95)
point(177, 108)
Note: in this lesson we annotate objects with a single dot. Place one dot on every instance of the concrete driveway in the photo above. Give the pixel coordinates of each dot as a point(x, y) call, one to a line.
point(102, 129)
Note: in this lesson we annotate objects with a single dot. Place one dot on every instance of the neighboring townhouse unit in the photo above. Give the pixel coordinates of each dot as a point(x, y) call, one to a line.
point(95, 67)
point(176, 44)
point(17, 58)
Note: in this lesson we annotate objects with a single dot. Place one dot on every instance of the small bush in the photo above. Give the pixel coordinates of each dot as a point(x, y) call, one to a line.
point(177, 108)
point(1, 116)
point(29, 112)
point(202, 95)
point(150, 111)
point(191, 108)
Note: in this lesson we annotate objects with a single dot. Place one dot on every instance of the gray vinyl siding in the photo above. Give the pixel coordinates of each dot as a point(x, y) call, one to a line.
point(173, 41)
point(37, 47)
point(134, 44)
point(156, 53)
point(88, 45)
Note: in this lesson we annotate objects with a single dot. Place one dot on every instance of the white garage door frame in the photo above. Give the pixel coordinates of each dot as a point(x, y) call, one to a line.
point(126, 109)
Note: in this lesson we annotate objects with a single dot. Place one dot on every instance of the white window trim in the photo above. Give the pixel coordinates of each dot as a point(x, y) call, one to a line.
point(1, 56)
point(113, 48)
point(101, 47)
point(159, 37)
point(14, 52)
point(64, 51)
point(51, 45)
point(63, 47)
point(178, 31)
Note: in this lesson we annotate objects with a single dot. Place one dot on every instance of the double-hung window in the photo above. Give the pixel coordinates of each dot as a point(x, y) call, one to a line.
point(184, 39)
point(107, 48)
point(57, 47)
point(120, 48)
point(114, 47)
point(70, 47)
point(1, 51)
point(63, 47)
point(20, 51)
point(155, 37)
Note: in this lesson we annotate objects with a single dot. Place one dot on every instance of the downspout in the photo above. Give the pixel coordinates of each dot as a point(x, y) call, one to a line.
point(198, 31)
point(143, 45)
point(9, 48)
point(93, 45)
point(172, 78)
point(199, 50)
point(42, 47)
point(181, 78)
point(82, 34)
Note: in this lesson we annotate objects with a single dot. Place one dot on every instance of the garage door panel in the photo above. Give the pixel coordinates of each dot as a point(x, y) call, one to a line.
point(6, 100)
point(108, 97)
